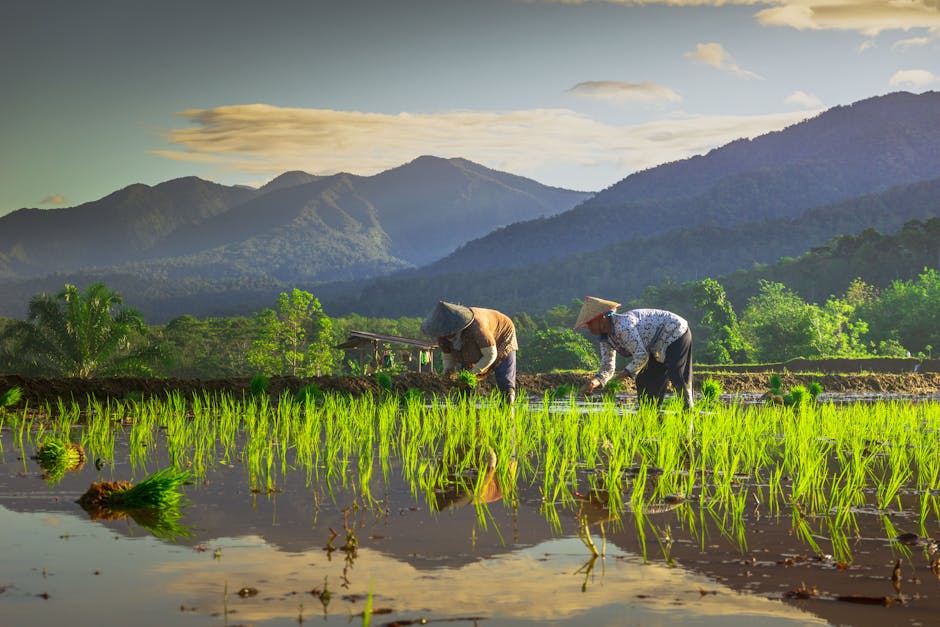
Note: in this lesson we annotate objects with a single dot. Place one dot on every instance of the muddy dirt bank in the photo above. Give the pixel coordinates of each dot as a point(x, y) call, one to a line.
point(40, 390)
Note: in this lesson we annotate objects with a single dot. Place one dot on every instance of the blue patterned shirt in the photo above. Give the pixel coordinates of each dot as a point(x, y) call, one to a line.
point(640, 334)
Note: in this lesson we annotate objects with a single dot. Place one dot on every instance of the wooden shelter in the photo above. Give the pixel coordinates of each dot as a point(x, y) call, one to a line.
point(370, 344)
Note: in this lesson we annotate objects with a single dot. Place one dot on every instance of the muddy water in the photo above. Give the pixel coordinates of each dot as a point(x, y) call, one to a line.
point(308, 553)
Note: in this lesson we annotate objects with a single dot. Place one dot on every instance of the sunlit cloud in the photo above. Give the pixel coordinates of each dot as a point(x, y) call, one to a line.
point(868, 44)
point(803, 99)
point(869, 17)
point(912, 78)
point(53, 199)
point(865, 16)
point(264, 140)
point(913, 42)
point(617, 91)
point(715, 55)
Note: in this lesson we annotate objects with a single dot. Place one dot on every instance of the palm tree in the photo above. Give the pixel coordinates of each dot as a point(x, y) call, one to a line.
point(76, 334)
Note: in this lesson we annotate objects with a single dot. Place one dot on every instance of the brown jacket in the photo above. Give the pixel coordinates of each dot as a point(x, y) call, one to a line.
point(489, 328)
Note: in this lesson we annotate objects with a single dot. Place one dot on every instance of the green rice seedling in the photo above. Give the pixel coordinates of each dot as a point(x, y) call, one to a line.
point(563, 392)
point(711, 391)
point(774, 384)
point(815, 389)
point(56, 457)
point(11, 397)
point(613, 388)
point(467, 379)
point(259, 385)
point(384, 380)
point(309, 393)
point(798, 396)
point(157, 491)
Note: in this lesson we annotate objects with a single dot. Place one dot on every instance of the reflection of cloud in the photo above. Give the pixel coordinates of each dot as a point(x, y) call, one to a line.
point(268, 140)
point(510, 586)
point(54, 199)
point(715, 55)
point(622, 92)
point(913, 78)
point(803, 99)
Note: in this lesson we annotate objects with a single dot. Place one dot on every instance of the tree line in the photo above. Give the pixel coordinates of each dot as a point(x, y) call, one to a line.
point(92, 333)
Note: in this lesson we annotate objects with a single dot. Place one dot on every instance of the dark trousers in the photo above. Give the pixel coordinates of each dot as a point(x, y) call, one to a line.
point(676, 369)
point(505, 373)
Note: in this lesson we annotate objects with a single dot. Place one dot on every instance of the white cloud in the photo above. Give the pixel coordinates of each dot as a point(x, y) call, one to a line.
point(912, 78)
point(913, 42)
point(868, 44)
point(617, 91)
point(865, 16)
point(265, 140)
point(803, 99)
point(715, 55)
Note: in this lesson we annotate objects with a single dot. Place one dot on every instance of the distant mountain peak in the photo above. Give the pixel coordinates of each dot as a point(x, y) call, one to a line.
point(289, 179)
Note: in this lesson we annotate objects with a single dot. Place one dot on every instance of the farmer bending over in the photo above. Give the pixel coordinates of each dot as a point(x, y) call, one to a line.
point(658, 343)
point(477, 339)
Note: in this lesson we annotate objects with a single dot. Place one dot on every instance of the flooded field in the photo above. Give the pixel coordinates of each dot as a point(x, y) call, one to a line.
point(393, 510)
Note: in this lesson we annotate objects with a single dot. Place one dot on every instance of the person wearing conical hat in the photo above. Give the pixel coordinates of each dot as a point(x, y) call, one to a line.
point(657, 342)
point(479, 340)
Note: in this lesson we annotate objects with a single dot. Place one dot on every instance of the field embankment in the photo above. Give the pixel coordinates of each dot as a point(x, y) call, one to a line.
point(40, 390)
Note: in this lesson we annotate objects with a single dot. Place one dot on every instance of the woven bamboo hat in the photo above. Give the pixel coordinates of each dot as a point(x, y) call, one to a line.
point(593, 308)
point(446, 319)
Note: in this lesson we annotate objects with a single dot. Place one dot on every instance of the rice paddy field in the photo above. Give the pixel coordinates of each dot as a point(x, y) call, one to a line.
point(404, 508)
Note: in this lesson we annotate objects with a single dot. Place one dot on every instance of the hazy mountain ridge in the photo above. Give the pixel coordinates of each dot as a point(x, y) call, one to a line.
point(623, 270)
point(128, 222)
point(297, 228)
point(845, 152)
point(430, 205)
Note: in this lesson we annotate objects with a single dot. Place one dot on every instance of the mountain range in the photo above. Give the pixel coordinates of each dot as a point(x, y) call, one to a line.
point(298, 228)
point(394, 243)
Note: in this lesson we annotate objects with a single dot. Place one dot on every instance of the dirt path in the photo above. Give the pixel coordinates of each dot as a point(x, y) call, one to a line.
point(39, 390)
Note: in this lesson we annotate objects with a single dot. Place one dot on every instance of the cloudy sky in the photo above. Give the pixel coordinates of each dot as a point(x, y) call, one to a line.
point(97, 95)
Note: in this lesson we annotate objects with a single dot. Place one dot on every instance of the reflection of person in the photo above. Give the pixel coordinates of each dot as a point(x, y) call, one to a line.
point(477, 339)
point(658, 343)
point(488, 490)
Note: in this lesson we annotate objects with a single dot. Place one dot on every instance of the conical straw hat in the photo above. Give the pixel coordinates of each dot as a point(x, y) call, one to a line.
point(446, 319)
point(592, 308)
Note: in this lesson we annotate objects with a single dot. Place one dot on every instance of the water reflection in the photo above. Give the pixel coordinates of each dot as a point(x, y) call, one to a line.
point(103, 579)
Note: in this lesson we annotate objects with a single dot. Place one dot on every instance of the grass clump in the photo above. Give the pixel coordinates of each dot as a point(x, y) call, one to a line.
point(467, 378)
point(11, 397)
point(711, 390)
point(384, 380)
point(259, 385)
point(563, 392)
point(310, 392)
point(56, 457)
point(156, 491)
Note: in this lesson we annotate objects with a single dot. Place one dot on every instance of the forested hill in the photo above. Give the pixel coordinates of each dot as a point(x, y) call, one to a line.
point(845, 152)
point(298, 227)
point(622, 271)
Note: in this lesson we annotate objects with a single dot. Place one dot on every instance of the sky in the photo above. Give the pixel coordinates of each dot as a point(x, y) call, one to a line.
point(96, 95)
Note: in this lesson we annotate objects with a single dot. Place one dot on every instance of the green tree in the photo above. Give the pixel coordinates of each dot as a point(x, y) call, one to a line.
point(907, 312)
point(297, 339)
point(557, 349)
point(724, 342)
point(76, 334)
point(778, 324)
